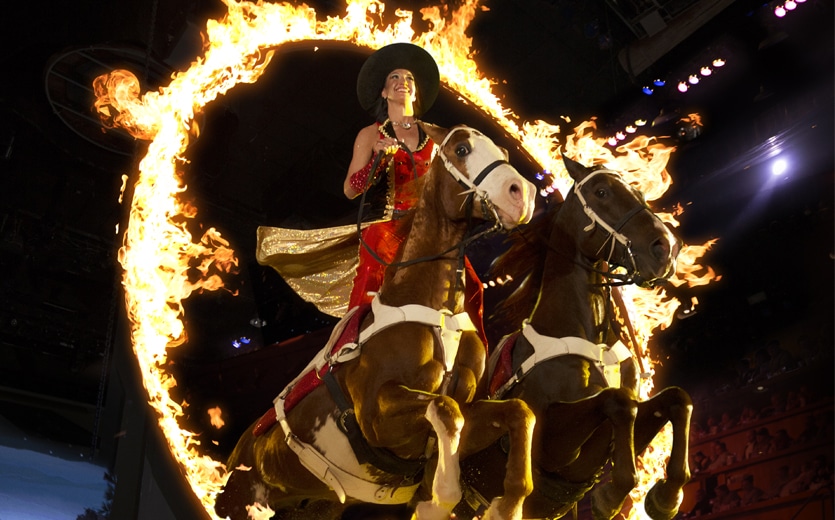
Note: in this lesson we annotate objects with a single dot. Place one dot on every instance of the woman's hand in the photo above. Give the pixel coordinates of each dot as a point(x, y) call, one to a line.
point(386, 145)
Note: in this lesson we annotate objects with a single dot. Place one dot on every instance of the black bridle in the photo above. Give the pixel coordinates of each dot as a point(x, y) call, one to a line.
point(614, 236)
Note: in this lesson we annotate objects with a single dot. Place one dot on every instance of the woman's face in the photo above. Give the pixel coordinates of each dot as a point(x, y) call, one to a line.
point(400, 85)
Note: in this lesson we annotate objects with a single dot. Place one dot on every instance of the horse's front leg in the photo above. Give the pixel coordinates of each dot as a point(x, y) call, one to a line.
point(485, 423)
point(674, 405)
point(613, 411)
point(402, 424)
point(446, 482)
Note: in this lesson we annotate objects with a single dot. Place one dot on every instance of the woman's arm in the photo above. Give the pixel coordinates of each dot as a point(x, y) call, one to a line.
point(367, 143)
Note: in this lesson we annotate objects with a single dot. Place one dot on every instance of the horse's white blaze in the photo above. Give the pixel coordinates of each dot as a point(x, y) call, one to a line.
point(512, 194)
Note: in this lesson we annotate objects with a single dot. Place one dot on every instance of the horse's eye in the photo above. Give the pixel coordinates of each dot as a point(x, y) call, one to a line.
point(601, 193)
point(462, 150)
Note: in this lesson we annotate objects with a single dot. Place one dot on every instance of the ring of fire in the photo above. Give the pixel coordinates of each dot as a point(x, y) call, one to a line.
point(158, 250)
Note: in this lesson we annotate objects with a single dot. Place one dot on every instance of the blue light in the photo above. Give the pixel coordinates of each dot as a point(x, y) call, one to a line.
point(659, 83)
point(779, 166)
point(236, 343)
point(647, 91)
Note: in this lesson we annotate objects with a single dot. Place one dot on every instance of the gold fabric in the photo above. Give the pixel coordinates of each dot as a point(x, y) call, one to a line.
point(319, 264)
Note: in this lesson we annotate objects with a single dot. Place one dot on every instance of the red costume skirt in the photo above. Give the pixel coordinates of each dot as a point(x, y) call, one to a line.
point(384, 240)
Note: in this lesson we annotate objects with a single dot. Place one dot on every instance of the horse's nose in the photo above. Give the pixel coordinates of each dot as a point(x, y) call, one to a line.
point(661, 249)
point(516, 190)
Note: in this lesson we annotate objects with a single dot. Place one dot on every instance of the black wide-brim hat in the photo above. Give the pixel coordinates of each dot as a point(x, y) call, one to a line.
point(372, 76)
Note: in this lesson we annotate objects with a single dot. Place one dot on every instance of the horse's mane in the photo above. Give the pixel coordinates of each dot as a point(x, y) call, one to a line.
point(524, 261)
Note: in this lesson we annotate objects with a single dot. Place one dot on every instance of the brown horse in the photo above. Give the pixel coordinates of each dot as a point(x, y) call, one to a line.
point(398, 401)
point(583, 392)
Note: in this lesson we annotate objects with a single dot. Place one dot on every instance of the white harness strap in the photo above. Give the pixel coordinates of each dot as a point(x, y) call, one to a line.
point(595, 219)
point(603, 357)
point(341, 481)
point(449, 325)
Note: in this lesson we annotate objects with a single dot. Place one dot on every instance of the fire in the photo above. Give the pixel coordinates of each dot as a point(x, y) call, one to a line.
point(161, 259)
point(216, 417)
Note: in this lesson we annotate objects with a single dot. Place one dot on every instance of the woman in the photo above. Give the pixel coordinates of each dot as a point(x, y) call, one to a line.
point(395, 84)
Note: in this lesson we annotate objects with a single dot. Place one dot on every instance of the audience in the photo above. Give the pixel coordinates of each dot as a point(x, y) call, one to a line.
point(775, 410)
point(725, 499)
point(700, 463)
point(780, 359)
point(702, 507)
point(749, 493)
point(782, 440)
point(779, 481)
point(720, 456)
point(763, 444)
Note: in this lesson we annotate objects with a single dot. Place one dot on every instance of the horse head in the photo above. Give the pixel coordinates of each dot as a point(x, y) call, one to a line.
point(496, 190)
point(619, 227)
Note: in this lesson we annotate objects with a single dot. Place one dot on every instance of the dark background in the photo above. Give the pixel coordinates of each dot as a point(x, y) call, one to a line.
point(275, 153)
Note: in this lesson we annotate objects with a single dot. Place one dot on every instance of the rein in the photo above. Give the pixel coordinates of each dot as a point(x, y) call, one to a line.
point(487, 207)
point(614, 235)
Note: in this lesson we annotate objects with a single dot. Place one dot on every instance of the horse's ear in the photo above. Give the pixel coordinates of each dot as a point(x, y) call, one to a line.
point(577, 171)
point(435, 132)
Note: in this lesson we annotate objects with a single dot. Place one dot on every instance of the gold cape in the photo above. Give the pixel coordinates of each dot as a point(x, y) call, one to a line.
point(319, 264)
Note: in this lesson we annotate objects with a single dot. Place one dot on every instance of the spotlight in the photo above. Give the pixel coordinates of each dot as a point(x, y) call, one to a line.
point(659, 83)
point(779, 11)
point(612, 141)
point(683, 87)
point(693, 79)
point(705, 71)
point(647, 91)
point(718, 62)
point(790, 5)
point(778, 167)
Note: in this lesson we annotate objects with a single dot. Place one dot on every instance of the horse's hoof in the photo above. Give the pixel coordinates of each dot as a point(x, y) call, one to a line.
point(596, 512)
point(655, 509)
point(501, 509)
point(603, 506)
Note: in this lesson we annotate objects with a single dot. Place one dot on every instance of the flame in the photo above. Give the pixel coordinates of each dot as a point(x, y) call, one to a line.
point(215, 415)
point(161, 260)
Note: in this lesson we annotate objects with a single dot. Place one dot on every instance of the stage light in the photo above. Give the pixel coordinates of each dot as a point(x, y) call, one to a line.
point(693, 79)
point(779, 11)
point(640, 122)
point(683, 87)
point(718, 62)
point(647, 91)
point(705, 71)
point(790, 5)
point(631, 129)
point(659, 83)
point(779, 166)
point(612, 141)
